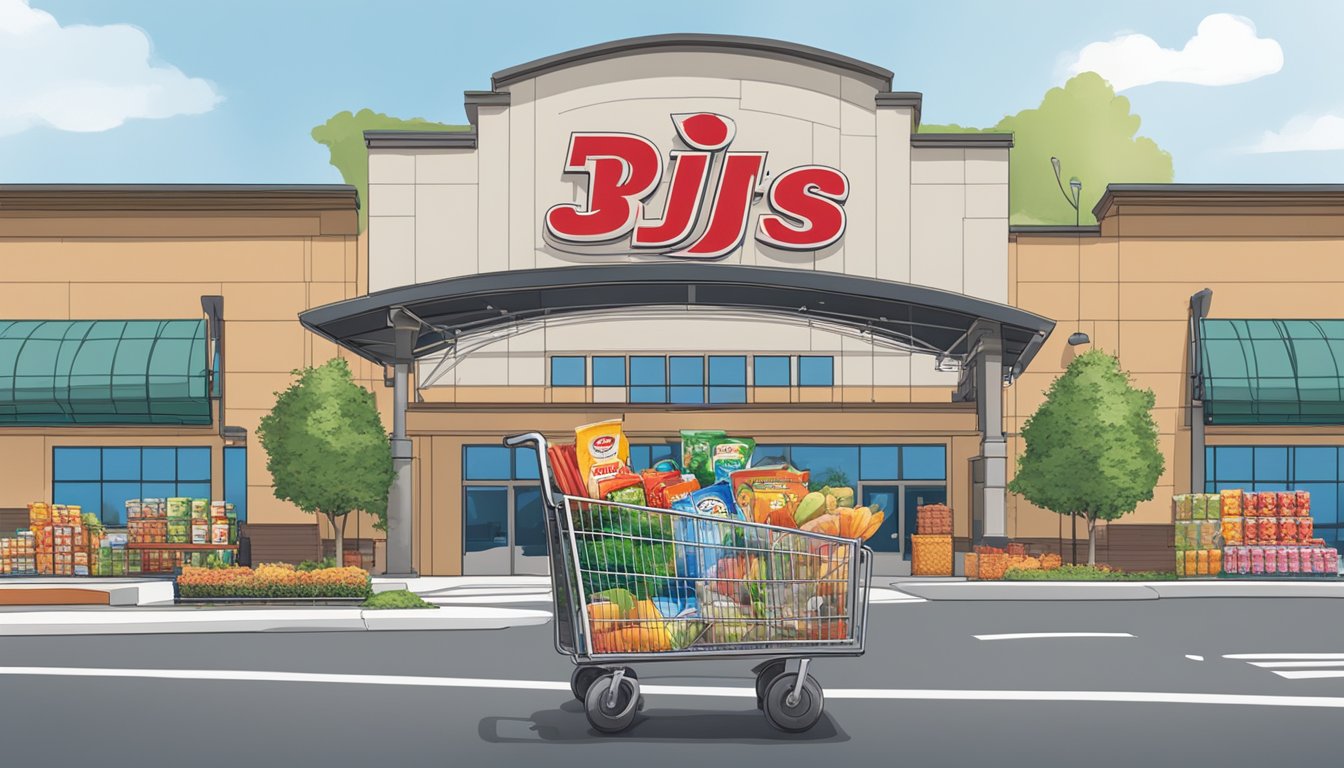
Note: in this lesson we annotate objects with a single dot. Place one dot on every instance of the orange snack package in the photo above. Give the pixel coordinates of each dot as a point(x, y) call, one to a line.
point(602, 451)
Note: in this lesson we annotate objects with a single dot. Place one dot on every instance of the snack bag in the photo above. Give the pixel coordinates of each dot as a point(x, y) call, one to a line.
point(700, 544)
point(1268, 504)
point(695, 453)
point(728, 455)
point(769, 495)
point(674, 491)
point(1287, 501)
point(1182, 506)
point(654, 483)
point(1230, 503)
point(1303, 503)
point(623, 488)
point(1250, 505)
point(602, 452)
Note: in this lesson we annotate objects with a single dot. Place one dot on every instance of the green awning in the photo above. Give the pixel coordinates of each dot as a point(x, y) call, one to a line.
point(1272, 371)
point(72, 372)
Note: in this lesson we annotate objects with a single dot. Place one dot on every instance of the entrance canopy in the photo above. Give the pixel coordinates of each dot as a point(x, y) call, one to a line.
point(447, 311)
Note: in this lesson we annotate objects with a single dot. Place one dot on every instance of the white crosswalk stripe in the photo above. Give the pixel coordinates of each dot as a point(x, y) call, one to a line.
point(1295, 666)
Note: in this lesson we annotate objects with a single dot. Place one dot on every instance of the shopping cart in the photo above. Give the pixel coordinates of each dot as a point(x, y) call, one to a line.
point(637, 584)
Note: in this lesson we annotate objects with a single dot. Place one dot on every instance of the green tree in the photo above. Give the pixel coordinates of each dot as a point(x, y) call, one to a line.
point(343, 136)
point(326, 448)
point(1094, 135)
point(1091, 448)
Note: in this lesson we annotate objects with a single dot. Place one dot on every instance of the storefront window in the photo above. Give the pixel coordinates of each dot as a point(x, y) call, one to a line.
point(771, 371)
point(644, 456)
point(923, 462)
point(648, 380)
point(608, 371)
point(488, 462)
point(568, 371)
point(101, 480)
point(235, 479)
point(504, 527)
point(727, 379)
point(829, 464)
point(816, 371)
point(879, 462)
point(1312, 468)
point(687, 375)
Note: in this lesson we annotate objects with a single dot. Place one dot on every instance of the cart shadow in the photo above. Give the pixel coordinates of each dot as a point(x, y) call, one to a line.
point(568, 725)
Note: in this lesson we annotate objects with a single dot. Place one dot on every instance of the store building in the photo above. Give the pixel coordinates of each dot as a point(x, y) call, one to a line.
point(143, 332)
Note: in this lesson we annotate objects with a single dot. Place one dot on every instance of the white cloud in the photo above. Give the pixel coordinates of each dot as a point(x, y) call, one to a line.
point(1224, 51)
point(86, 78)
point(1304, 133)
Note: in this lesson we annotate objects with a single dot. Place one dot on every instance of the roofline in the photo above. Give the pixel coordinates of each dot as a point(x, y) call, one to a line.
point(1211, 192)
point(1055, 229)
point(912, 99)
point(212, 197)
point(962, 140)
point(691, 42)
point(421, 139)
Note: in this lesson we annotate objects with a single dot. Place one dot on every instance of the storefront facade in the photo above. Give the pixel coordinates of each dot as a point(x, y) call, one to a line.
point(144, 331)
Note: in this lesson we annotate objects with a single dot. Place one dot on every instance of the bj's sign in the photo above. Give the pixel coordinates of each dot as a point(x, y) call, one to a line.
point(806, 203)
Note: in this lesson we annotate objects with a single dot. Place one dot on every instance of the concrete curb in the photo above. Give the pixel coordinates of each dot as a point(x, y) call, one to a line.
point(1139, 590)
point(206, 620)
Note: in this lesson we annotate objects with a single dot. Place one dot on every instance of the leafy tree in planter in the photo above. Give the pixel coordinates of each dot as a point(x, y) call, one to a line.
point(1091, 448)
point(326, 448)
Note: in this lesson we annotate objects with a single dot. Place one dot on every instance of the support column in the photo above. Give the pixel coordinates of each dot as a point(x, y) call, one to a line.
point(399, 498)
point(987, 360)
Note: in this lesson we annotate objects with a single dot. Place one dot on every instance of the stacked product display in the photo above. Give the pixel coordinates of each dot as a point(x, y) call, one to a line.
point(931, 547)
point(664, 582)
point(1238, 533)
point(991, 563)
point(18, 555)
point(60, 539)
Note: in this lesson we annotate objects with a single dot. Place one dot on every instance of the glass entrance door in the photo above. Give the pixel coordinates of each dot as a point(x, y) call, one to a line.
point(503, 531)
point(887, 542)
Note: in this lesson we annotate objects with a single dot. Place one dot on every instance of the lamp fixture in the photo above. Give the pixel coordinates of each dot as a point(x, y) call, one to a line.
point(1078, 339)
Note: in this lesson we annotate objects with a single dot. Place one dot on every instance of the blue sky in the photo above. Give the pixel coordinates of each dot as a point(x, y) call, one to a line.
point(228, 92)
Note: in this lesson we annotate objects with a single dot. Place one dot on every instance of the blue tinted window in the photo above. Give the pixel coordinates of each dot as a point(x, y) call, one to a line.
point(529, 522)
point(771, 371)
point(1271, 464)
point(488, 462)
point(1324, 501)
point(568, 371)
point(879, 462)
point(193, 464)
point(770, 454)
point(193, 490)
point(687, 375)
point(648, 380)
point(829, 464)
point(1232, 463)
point(235, 480)
point(923, 462)
point(158, 464)
point(727, 379)
point(609, 371)
point(121, 464)
point(659, 452)
point(486, 522)
point(639, 458)
point(159, 490)
point(816, 371)
point(1312, 463)
point(525, 465)
point(76, 464)
point(115, 496)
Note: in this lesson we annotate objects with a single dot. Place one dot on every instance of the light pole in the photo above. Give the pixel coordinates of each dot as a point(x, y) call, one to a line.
point(1079, 338)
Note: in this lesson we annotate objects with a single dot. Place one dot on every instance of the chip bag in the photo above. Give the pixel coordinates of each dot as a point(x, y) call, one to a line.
point(770, 495)
point(602, 452)
point(623, 488)
point(695, 453)
point(728, 455)
point(654, 484)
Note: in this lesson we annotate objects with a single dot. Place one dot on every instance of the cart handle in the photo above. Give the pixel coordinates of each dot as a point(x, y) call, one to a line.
point(536, 438)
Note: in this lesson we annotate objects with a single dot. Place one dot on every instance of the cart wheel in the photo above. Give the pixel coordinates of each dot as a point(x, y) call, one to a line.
point(581, 679)
point(769, 671)
point(612, 719)
point(801, 714)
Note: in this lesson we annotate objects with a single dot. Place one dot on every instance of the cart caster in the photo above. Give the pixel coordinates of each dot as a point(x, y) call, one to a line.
point(608, 713)
point(581, 679)
point(766, 674)
point(789, 714)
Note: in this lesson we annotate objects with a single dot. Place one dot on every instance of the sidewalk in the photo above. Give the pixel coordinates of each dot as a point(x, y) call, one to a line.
point(958, 589)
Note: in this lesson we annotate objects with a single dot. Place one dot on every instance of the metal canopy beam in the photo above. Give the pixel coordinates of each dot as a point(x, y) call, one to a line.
point(926, 318)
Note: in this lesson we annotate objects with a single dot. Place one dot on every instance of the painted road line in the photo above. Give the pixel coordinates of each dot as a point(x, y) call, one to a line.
point(891, 694)
point(1286, 664)
point(1047, 635)
point(1311, 674)
point(1284, 656)
point(1194, 657)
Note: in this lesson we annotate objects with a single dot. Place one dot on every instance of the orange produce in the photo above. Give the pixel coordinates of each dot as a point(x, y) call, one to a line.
point(828, 524)
point(604, 617)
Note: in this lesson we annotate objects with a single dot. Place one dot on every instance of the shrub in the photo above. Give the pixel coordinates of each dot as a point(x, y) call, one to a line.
point(313, 565)
point(272, 580)
point(399, 598)
point(1086, 573)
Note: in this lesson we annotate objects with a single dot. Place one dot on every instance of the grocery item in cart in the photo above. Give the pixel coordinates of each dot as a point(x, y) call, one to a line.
point(654, 483)
point(1230, 503)
point(602, 451)
point(696, 455)
point(1268, 504)
point(770, 495)
point(1183, 506)
point(624, 487)
point(1232, 529)
point(728, 455)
